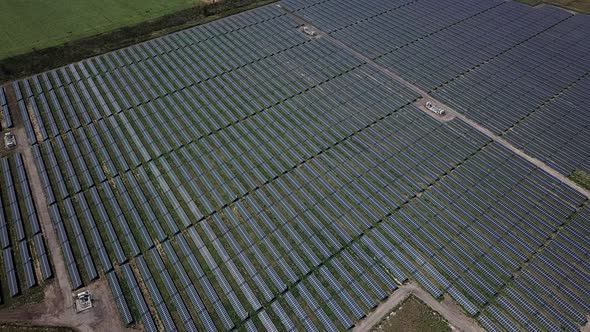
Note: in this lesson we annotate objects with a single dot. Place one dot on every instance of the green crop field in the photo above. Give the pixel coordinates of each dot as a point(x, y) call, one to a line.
point(28, 25)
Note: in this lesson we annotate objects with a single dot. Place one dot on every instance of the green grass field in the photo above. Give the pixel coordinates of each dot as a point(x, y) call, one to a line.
point(580, 177)
point(28, 25)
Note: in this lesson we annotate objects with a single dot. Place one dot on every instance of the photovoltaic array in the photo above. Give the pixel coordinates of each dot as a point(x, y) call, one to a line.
point(244, 175)
point(499, 63)
point(5, 111)
point(21, 236)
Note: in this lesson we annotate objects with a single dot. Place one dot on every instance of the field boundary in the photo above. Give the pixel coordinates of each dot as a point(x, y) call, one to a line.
point(39, 60)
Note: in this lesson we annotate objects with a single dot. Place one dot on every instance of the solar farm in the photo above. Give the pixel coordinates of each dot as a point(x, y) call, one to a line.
point(247, 174)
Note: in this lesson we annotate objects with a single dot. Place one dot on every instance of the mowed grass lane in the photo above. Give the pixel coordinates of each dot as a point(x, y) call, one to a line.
point(28, 25)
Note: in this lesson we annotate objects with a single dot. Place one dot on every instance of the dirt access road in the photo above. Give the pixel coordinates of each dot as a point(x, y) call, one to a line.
point(57, 308)
point(447, 308)
point(451, 114)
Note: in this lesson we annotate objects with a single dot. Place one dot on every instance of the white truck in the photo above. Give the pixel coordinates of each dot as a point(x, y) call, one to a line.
point(309, 31)
point(9, 140)
point(435, 109)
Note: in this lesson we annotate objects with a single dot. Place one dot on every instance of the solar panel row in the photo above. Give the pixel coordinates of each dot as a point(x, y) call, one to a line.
point(497, 68)
point(20, 231)
point(512, 85)
point(489, 60)
point(119, 298)
point(5, 110)
point(2, 97)
point(557, 132)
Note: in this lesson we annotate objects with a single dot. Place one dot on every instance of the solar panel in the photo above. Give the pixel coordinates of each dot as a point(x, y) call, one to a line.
point(2, 97)
point(7, 116)
point(119, 298)
point(27, 262)
point(10, 271)
point(46, 271)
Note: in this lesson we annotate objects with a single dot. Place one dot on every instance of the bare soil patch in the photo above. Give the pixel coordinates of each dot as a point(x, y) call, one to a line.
point(413, 315)
point(581, 6)
point(9, 327)
point(580, 177)
point(447, 308)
